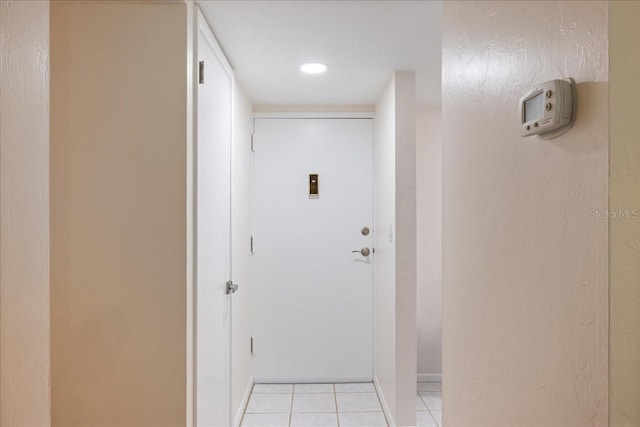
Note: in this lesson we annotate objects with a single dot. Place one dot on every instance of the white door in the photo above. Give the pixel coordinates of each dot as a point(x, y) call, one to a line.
point(313, 296)
point(213, 234)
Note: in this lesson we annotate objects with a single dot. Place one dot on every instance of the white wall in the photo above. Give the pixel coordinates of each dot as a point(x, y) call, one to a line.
point(384, 322)
point(429, 243)
point(118, 213)
point(395, 330)
point(624, 185)
point(525, 266)
point(241, 196)
point(24, 214)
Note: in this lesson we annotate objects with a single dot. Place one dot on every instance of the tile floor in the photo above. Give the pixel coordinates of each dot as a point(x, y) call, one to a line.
point(429, 405)
point(337, 405)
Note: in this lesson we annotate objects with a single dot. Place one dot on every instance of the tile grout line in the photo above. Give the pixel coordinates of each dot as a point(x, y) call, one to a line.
point(335, 399)
point(375, 389)
point(427, 406)
point(434, 418)
point(337, 412)
point(293, 393)
point(247, 405)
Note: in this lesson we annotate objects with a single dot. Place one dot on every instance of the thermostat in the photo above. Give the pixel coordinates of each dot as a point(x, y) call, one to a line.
point(548, 109)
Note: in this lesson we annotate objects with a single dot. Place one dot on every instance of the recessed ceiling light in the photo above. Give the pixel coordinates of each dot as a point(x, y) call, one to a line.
point(313, 68)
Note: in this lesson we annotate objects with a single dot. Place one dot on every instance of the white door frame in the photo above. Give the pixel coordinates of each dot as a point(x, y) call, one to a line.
point(315, 115)
point(196, 23)
point(329, 115)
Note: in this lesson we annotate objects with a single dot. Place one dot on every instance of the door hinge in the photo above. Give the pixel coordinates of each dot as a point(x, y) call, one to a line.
point(251, 245)
point(252, 345)
point(253, 147)
point(201, 72)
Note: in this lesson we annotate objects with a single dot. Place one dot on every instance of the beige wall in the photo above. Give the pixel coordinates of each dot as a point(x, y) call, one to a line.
point(525, 266)
point(395, 331)
point(118, 213)
point(24, 214)
point(624, 188)
point(429, 241)
point(192, 129)
point(241, 196)
point(405, 241)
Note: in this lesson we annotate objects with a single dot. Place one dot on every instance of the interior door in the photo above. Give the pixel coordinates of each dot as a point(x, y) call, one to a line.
point(213, 234)
point(313, 289)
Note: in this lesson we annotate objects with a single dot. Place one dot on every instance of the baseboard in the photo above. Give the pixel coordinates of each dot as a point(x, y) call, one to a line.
point(383, 402)
point(243, 403)
point(425, 378)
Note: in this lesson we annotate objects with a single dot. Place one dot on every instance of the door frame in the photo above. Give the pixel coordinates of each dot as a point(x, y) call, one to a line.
point(314, 115)
point(197, 23)
point(319, 114)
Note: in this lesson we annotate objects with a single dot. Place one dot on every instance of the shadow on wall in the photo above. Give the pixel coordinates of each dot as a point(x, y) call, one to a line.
point(592, 100)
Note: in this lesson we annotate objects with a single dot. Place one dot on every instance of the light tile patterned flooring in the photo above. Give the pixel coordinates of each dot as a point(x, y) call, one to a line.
point(335, 405)
point(429, 405)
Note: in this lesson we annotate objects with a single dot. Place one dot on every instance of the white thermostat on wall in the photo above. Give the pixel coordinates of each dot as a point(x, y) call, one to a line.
point(548, 109)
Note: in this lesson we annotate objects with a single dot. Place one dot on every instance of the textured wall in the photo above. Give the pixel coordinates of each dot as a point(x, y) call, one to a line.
point(395, 332)
point(624, 25)
point(118, 213)
point(24, 214)
point(429, 241)
point(525, 279)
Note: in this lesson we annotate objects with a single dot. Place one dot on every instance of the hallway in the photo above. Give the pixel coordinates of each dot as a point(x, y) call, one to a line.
point(333, 405)
point(504, 261)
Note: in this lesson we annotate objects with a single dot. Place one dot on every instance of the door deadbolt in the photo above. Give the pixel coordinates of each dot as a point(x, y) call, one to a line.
point(365, 231)
point(364, 251)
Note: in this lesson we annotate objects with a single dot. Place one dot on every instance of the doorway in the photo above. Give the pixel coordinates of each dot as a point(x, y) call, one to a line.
point(312, 265)
point(213, 233)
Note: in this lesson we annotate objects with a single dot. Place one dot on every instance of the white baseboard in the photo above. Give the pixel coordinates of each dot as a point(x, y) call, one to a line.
point(243, 403)
point(383, 402)
point(425, 378)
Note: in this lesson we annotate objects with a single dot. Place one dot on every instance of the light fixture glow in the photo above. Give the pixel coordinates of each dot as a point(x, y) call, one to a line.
point(313, 68)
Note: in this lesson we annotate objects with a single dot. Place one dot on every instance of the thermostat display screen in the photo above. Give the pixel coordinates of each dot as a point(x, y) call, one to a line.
point(534, 108)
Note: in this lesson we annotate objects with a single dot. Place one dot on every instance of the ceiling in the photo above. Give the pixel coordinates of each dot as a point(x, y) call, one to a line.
point(363, 42)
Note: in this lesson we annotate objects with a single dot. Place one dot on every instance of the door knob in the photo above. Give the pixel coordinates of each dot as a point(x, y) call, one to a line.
point(231, 287)
point(364, 251)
